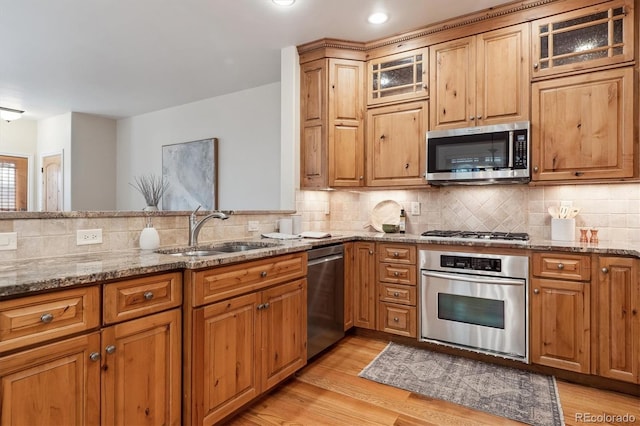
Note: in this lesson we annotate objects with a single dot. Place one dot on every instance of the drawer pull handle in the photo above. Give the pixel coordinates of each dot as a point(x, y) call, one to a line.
point(536, 291)
point(110, 349)
point(46, 318)
point(605, 270)
point(396, 273)
point(148, 295)
point(263, 306)
point(396, 319)
point(263, 274)
point(396, 294)
point(94, 356)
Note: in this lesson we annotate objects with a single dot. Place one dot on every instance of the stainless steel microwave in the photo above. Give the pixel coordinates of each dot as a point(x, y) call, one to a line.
point(479, 155)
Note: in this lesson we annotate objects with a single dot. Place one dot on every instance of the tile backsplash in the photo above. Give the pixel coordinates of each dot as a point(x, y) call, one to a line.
point(613, 209)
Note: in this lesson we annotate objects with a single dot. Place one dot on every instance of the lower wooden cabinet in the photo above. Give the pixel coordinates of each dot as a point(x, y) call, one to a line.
point(245, 345)
point(364, 285)
point(619, 318)
point(560, 321)
point(397, 319)
point(54, 384)
point(141, 371)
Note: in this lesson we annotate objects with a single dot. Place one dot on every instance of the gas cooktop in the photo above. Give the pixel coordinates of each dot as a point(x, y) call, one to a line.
point(515, 237)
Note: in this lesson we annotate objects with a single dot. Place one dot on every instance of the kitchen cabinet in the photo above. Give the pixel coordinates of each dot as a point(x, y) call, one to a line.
point(619, 318)
point(594, 36)
point(349, 259)
point(396, 151)
point(332, 123)
point(560, 311)
point(398, 77)
point(364, 285)
point(582, 126)
point(141, 351)
point(397, 289)
point(246, 332)
point(481, 79)
point(56, 383)
point(128, 372)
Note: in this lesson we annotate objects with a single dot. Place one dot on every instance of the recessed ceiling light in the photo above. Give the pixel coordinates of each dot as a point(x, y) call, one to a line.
point(378, 18)
point(284, 2)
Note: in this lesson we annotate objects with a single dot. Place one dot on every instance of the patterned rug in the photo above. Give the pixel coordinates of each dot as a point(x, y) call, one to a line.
point(507, 392)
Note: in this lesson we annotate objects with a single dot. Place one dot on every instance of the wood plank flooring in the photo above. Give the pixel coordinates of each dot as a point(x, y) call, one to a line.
point(329, 392)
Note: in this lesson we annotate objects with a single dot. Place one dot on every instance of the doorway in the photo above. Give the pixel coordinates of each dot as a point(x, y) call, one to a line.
point(51, 182)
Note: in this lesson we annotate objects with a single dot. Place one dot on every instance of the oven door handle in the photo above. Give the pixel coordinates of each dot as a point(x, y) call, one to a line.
point(475, 279)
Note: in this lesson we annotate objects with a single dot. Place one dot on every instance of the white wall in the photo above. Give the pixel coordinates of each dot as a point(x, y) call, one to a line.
point(93, 162)
point(247, 125)
point(54, 136)
point(20, 138)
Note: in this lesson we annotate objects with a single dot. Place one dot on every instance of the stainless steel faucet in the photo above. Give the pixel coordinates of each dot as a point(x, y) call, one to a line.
point(195, 226)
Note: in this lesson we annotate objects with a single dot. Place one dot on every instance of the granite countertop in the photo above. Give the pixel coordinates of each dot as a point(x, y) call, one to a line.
point(21, 277)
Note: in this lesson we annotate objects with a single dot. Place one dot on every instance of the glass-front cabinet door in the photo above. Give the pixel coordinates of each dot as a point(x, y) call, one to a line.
point(398, 77)
point(590, 37)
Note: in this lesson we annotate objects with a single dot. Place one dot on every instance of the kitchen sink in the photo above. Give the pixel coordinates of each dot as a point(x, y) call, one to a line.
point(213, 250)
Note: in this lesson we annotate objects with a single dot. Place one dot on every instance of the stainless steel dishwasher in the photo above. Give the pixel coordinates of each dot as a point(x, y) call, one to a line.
point(325, 298)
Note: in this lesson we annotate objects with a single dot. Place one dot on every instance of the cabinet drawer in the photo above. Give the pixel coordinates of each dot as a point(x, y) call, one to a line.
point(221, 283)
point(36, 319)
point(563, 266)
point(397, 253)
point(397, 319)
point(405, 295)
point(129, 299)
point(397, 273)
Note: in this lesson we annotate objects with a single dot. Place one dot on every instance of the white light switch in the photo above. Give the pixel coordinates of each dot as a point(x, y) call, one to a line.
point(8, 241)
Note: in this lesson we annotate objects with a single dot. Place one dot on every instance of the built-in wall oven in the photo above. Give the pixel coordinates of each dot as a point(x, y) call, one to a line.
point(475, 301)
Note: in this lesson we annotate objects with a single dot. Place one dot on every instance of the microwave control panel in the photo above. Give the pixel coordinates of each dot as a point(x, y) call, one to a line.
point(520, 149)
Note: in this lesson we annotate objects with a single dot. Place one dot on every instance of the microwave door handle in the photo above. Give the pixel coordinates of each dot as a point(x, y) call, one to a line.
point(510, 165)
point(474, 279)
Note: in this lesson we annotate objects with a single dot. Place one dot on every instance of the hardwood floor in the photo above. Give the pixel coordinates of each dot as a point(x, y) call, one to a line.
point(329, 392)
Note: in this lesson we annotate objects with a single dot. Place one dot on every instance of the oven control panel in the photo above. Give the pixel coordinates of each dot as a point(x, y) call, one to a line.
point(472, 263)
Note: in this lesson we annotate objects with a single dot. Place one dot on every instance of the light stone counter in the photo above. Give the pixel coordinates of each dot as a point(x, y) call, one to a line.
point(21, 277)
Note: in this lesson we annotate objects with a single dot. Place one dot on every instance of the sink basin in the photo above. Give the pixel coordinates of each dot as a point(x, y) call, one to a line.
point(224, 248)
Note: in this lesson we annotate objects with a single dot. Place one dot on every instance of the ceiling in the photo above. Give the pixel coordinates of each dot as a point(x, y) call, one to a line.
point(119, 58)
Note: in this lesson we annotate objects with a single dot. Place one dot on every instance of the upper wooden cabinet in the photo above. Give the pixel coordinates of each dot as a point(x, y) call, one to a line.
point(593, 36)
point(582, 126)
point(332, 123)
point(480, 80)
point(398, 77)
point(396, 151)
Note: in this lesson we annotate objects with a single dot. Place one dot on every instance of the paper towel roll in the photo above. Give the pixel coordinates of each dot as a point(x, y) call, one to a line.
point(286, 225)
point(296, 220)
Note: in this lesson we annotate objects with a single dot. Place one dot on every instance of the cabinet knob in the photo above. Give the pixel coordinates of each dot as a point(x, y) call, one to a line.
point(605, 270)
point(479, 117)
point(396, 273)
point(471, 118)
point(425, 86)
point(561, 266)
point(94, 356)
point(263, 274)
point(370, 251)
point(535, 169)
point(361, 177)
point(396, 319)
point(110, 349)
point(396, 254)
point(535, 66)
point(396, 294)
point(578, 173)
point(536, 291)
point(266, 305)
point(148, 295)
point(46, 318)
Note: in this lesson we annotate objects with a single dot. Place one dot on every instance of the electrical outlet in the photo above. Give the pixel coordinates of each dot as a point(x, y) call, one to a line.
point(253, 225)
point(566, 204)
point(8, 241)
point(415, 208)
point(88, 236)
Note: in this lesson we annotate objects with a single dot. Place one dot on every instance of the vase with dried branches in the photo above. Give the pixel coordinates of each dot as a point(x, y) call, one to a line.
point(151, 187)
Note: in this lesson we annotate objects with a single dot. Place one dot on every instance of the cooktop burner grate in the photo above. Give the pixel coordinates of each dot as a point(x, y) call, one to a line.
point(477, 235)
